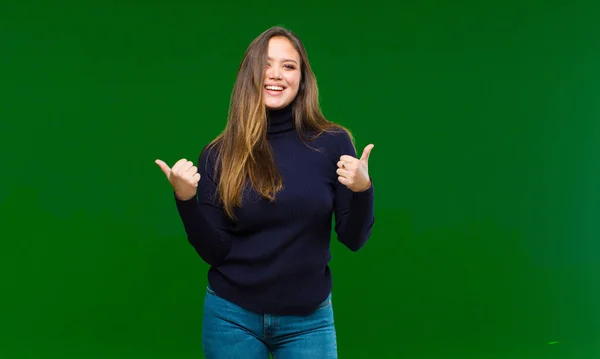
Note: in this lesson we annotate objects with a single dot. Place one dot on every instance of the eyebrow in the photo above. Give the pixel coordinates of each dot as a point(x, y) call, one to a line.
point(284, 60)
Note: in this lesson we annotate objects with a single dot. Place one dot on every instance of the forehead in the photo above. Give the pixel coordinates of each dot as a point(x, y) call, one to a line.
point(280, 48)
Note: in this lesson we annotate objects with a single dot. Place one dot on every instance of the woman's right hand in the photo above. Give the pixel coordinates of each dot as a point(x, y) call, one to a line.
point(184, 178)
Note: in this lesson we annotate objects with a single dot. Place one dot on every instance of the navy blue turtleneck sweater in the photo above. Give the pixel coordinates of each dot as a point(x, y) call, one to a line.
point(274, 257)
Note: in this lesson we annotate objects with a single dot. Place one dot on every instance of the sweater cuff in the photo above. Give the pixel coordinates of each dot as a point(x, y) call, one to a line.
point(367, 192)
point(189, 203)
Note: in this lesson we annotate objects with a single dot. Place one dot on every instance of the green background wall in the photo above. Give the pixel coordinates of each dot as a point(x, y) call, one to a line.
point(485, 120)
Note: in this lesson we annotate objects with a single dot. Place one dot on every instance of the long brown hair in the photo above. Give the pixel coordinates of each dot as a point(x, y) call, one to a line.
point(243, 151)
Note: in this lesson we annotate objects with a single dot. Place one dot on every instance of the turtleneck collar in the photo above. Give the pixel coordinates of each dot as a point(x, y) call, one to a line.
point(280, 120)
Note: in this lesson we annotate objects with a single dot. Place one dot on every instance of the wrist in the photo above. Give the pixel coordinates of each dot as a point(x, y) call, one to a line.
point(367, 187)
point(182, 197)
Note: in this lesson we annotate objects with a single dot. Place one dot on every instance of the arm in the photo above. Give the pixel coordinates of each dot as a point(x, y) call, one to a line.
point(354, 211)
point(203, 218)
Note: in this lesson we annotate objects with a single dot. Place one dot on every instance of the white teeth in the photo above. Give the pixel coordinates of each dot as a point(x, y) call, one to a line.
point(274, 88)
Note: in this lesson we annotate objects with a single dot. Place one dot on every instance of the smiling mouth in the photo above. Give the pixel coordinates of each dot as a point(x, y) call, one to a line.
point(274, 88)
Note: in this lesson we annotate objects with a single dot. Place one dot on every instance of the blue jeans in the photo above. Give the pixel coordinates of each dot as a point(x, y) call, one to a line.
point(231, 332)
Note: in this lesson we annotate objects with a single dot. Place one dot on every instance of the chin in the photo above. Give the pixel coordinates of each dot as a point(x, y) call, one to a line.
point(275, 106)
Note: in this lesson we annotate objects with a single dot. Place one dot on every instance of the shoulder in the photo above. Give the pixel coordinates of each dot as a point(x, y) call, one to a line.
point(210, 151)
point(338, 140)
point(208, 157)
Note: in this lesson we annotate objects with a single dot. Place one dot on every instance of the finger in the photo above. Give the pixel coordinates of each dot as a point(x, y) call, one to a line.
point(187, 166)
point(348, 165)
point(342, 172)
point(366, 152)
point(344, 181)
point(163, 166)
point(192, 170)
point(196, 179)
point(178, 165)
point(348, 159)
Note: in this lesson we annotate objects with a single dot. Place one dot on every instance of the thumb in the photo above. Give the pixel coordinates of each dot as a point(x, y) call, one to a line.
point(366, 152)
point(163, 166)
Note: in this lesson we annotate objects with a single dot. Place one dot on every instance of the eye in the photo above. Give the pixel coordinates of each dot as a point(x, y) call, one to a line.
point(290, 66)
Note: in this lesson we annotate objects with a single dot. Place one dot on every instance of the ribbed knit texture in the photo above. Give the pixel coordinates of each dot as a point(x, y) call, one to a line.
point(274, 257)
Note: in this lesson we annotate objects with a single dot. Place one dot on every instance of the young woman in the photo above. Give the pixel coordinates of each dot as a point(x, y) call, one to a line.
point(258, 209)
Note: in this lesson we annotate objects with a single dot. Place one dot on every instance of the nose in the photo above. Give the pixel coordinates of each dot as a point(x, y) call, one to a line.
point(274, 73)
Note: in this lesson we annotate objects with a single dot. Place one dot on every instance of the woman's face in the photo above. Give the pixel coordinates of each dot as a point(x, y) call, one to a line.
point(282, 73)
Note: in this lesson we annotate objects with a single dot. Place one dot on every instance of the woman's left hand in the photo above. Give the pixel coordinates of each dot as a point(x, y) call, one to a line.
point(353, 172)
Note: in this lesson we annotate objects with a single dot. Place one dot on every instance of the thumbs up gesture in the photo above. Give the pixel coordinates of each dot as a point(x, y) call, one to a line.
point(353, 172)
point(184, 177)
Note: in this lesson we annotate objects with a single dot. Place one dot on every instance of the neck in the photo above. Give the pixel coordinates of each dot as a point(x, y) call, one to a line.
point(280, 120)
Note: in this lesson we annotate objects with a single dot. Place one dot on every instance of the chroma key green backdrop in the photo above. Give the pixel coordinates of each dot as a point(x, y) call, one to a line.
point(485, 120)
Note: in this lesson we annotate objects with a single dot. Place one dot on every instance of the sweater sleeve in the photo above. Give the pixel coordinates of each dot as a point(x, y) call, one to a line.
point(354, 211)
point(204, 219)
